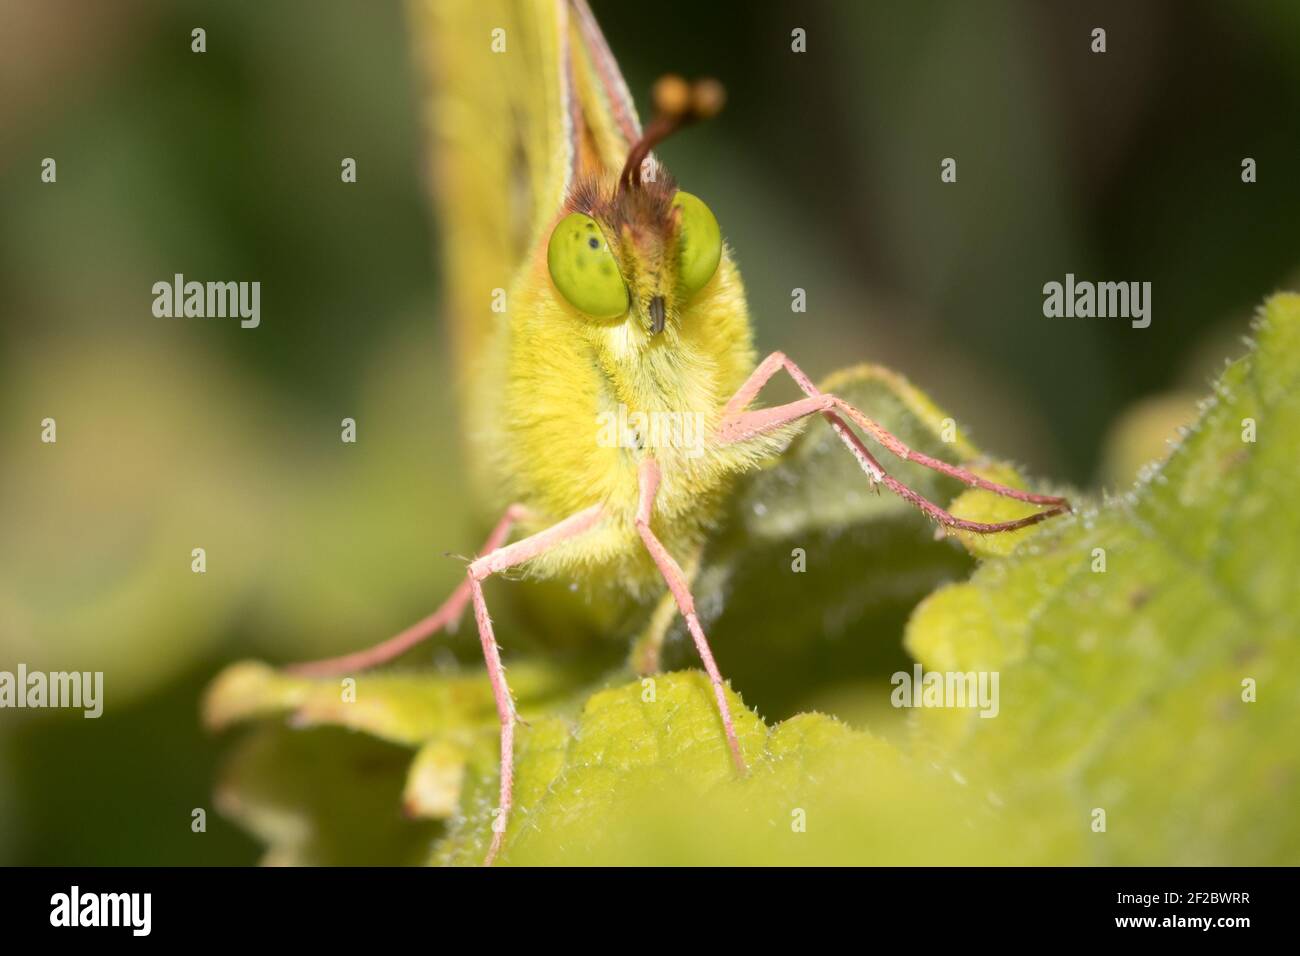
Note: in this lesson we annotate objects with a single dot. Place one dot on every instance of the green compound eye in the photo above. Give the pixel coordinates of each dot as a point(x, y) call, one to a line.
point(701, 242)
point(583, 268)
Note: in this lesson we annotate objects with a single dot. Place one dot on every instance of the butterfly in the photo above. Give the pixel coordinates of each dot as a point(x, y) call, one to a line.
point(601, 331)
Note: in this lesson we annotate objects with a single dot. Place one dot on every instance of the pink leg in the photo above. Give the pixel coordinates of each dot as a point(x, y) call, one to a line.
point(446, 616)
point(489, 564)
point(737, 425)
point(685, 603)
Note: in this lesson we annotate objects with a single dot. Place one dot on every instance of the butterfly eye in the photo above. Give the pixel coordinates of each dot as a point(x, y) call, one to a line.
point(583, 268)
point(701, 242)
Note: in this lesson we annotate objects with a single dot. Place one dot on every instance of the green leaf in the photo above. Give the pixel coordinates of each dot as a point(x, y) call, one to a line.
point(449, 719)
point(403, 707)
point(645, 777)
point(610, 777)
point(1122, 689)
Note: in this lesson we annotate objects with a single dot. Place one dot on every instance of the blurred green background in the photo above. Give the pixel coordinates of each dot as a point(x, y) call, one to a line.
point(824, 172)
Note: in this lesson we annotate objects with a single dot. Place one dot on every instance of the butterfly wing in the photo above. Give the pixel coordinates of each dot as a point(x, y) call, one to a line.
point(524, 95)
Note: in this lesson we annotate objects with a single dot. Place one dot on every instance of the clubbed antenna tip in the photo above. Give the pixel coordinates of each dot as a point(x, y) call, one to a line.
point(677, 104)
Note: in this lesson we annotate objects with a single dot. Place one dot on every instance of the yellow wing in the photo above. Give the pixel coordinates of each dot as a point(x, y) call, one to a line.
point(524, 95)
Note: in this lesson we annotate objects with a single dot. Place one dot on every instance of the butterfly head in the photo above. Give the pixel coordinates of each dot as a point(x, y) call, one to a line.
point(638, 251)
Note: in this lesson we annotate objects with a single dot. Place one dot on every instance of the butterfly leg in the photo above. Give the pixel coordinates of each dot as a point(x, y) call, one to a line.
point(481, 569)
point(681, 592)
point(738, 424)
point(647, 652)
point(445, 616)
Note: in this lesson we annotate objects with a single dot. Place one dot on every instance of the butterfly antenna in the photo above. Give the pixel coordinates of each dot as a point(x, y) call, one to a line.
point(677, 104)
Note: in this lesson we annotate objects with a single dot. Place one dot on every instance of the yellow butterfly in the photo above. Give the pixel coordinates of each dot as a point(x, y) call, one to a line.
point(601, 329)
